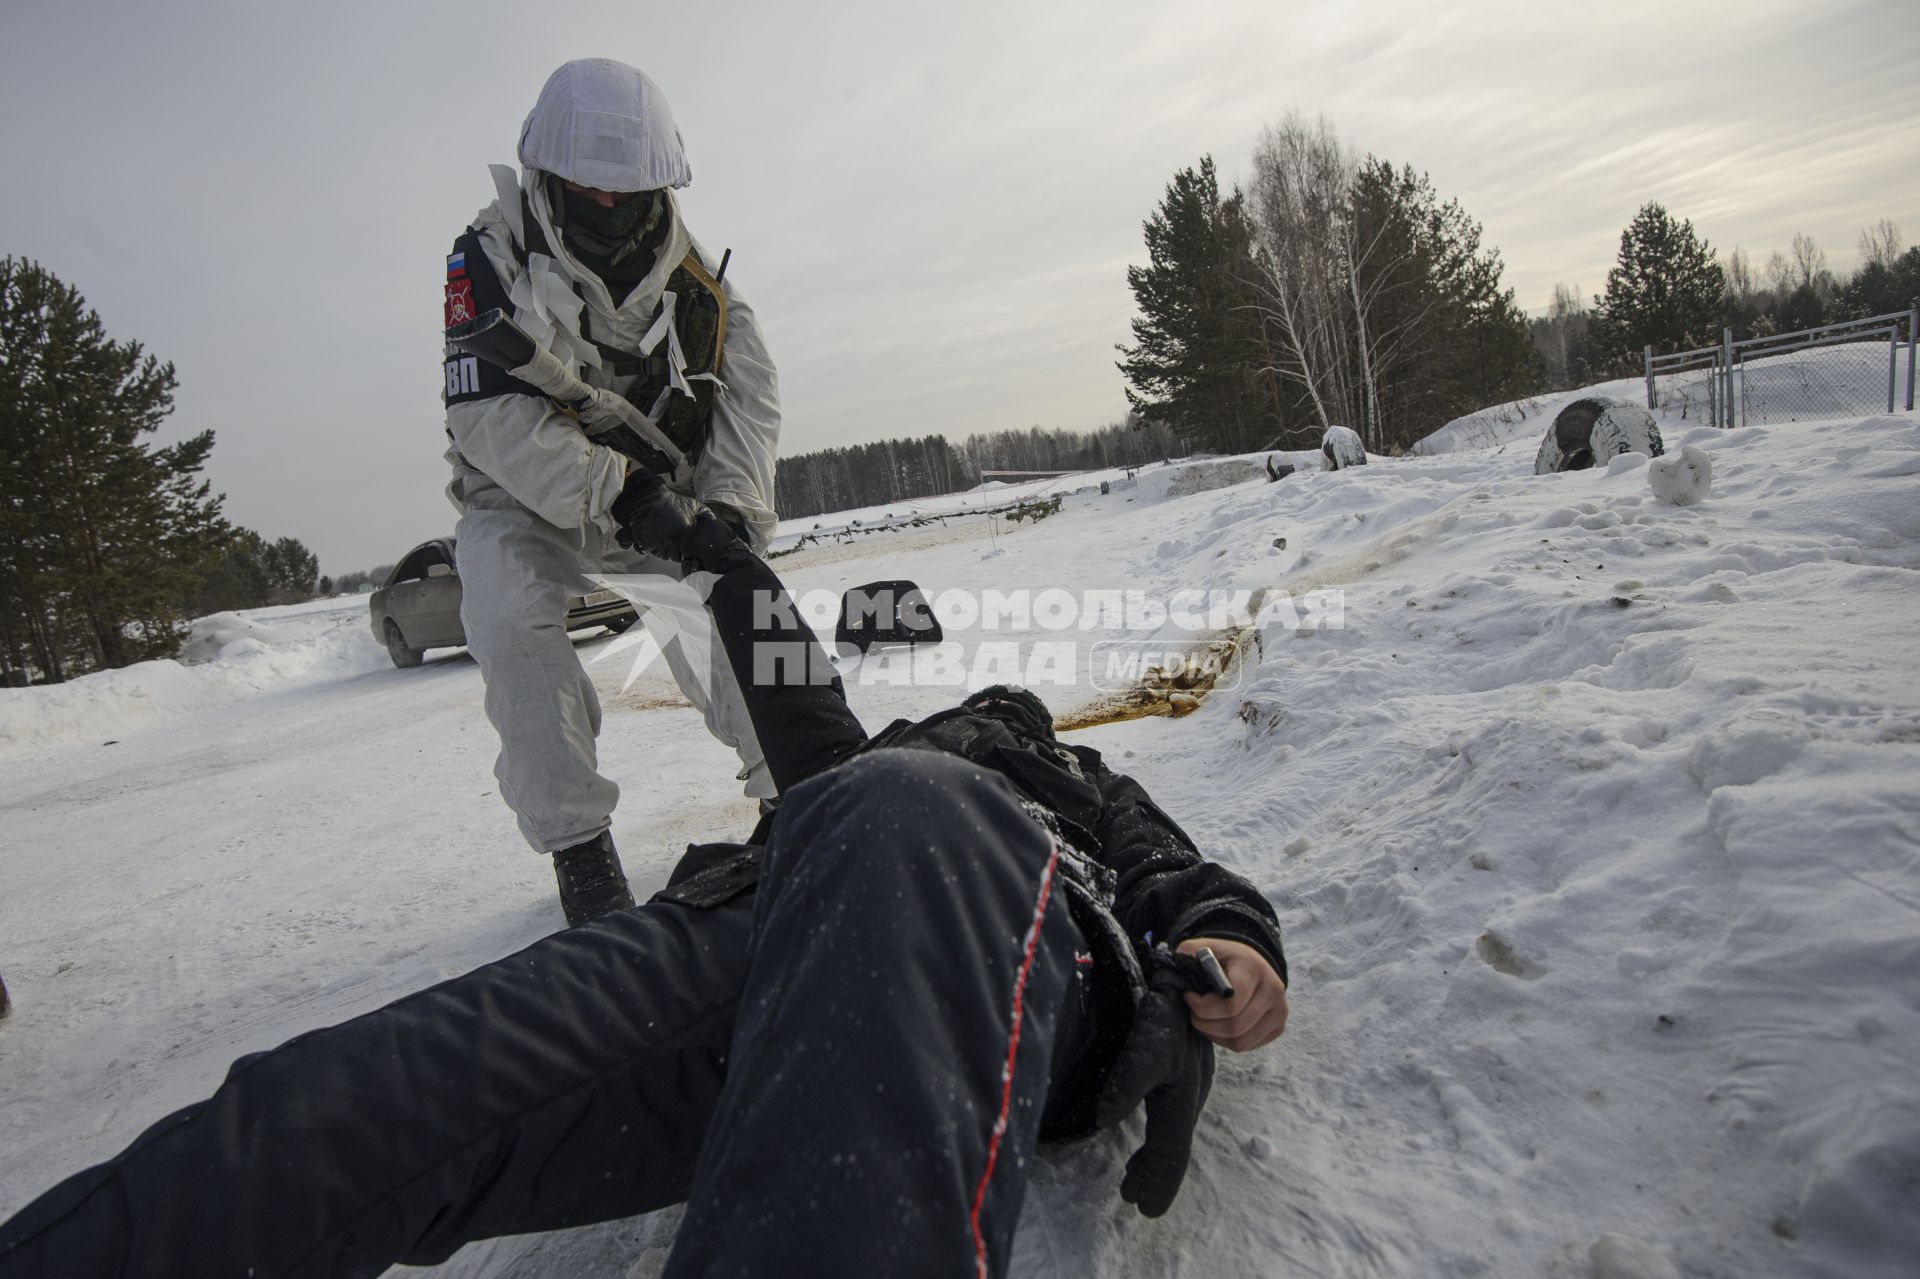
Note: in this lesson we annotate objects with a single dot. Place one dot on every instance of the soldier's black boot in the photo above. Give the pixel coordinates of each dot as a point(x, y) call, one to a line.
point(591, 881)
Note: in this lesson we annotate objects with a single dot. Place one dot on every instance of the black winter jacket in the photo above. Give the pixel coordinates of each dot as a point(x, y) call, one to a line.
point(1134, 878)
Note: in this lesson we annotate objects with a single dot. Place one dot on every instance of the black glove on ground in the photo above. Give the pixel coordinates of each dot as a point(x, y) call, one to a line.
point(1169, 1064)
point(654, 518)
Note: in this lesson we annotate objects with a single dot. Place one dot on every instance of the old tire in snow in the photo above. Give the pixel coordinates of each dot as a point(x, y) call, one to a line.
point(1592, 431)
point(1342, 448)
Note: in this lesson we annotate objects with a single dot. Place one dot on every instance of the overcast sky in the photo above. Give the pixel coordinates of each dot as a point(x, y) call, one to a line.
point(931, 207)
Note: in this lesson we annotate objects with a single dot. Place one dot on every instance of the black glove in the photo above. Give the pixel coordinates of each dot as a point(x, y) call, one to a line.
point(1170, 1064)
point(654, 518)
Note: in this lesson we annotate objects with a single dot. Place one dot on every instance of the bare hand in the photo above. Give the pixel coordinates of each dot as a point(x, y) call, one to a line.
point(1257, 1012)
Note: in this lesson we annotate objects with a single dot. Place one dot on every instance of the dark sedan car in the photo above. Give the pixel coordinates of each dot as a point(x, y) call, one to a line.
point(419, 606)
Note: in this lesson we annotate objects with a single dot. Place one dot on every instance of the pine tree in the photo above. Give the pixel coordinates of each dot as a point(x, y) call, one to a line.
point(1440, 336)
point(1888, 279)
point(1195, 363)
point(1666, 291)
point(840, 479)
point(101, 535)
point(293, 568)
point(252, 572)
point(1803, 308)
point(238, 579)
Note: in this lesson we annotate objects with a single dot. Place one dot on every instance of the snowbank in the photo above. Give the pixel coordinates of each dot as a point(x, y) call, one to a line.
point(1821, 383)
point(227, 656)
point(209, 637)
point(1592, 830)
point(1153, 482)
point(1519, 420)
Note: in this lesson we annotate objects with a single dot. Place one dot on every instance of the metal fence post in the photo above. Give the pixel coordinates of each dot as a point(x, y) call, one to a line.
point(1726, 355)
point(1652, 401)
point(1913, 319)
point(1893, 363)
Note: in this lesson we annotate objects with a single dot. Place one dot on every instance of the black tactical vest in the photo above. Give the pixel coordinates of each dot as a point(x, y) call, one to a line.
point(700, 319)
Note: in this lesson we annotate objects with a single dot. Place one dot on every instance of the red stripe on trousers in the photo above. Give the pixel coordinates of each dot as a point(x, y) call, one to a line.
point(1013, 1046)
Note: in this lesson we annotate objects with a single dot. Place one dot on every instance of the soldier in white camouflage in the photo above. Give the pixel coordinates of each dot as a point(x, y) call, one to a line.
point(585, 249)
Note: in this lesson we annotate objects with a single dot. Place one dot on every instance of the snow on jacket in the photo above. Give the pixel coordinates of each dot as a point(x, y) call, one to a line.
point(536, 453)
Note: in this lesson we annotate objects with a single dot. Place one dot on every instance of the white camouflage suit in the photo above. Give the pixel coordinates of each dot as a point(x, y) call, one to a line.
point(534, 493)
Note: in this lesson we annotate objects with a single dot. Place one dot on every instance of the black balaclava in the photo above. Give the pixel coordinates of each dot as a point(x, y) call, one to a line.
point(618, 244)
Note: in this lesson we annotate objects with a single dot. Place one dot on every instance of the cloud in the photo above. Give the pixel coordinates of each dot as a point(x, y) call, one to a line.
point(931, 209)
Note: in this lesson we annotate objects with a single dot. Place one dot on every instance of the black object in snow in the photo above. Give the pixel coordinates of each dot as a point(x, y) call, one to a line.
point(881, 613)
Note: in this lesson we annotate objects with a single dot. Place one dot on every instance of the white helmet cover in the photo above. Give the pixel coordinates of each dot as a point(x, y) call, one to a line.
point(604, 124)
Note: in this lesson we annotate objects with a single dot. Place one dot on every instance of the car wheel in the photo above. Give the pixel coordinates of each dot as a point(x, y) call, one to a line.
point(619, 625)
point(403, 656)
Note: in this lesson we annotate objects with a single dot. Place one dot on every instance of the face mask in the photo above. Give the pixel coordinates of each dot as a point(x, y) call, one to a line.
point(613, 233)
point(626, 218)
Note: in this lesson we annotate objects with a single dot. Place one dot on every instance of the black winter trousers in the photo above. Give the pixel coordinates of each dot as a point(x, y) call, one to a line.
point(842, 1072)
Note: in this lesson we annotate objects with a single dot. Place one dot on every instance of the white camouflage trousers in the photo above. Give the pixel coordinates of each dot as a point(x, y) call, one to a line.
point(517, 572)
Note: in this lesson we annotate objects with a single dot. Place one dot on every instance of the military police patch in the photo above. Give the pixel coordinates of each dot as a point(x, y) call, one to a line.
point(473, 287)
point(459, 301)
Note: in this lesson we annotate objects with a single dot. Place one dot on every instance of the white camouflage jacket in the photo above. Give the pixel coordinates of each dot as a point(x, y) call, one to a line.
point(536, 453)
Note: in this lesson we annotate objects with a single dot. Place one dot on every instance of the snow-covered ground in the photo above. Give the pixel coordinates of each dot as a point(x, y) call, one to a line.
point(1595, 833)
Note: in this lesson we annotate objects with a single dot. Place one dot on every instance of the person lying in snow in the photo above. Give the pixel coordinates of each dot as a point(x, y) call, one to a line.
point(838, 1042)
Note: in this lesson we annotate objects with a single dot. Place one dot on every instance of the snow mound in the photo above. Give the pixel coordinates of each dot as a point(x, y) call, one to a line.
point(1828, 382)
point(1681, 478)
point(1203, 476)
point(1498, 425)
point(227, 656)
point(209, 636)
point(1592, 832)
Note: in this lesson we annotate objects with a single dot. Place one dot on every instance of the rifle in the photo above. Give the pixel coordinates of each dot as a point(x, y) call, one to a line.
point(606, 417)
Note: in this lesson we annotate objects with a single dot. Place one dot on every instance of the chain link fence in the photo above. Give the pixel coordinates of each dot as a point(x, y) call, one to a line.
point(1686, 384)
point(1839, 380)
point(1837, 370)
